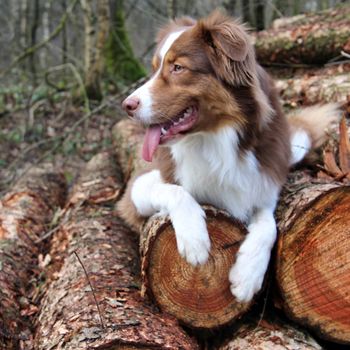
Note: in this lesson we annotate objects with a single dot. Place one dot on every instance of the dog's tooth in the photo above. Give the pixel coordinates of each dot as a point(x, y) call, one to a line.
point(164, 131)
point(181, 120)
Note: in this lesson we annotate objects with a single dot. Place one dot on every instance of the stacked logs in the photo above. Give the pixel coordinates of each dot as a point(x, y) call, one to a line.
point(313, 278)
point(92, 297)
point(25, 216)
point(315, 38)
point(93, 301)
point(200, 296)
point(308, 55)
point(108, 287)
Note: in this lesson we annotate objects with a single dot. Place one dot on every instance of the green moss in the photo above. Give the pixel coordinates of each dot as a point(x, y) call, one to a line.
point(121, 63)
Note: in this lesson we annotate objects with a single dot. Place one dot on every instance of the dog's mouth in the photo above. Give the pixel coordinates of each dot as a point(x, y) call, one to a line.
point(157, 134)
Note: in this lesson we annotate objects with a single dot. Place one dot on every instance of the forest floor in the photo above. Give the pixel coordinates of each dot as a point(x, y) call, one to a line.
point(56, 131)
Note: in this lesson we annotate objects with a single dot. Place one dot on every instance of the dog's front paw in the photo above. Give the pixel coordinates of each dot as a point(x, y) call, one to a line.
point(247, 275)
point(192, 237)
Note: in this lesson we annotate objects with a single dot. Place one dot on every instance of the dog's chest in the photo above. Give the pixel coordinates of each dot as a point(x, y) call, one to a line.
point(209, 167)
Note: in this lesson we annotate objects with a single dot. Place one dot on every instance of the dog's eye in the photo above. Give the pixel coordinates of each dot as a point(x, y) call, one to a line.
point(177, 68)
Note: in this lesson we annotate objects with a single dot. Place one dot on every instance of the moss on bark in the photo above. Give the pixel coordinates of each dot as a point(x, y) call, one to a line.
point(121, 63)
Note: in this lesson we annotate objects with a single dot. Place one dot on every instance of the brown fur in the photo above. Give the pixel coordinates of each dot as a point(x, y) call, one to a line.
point(221, 77)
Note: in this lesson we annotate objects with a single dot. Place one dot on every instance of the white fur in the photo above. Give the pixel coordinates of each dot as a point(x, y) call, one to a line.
point(208, 166)
point(210, 170)
point(151, 195)
point(301, 145)
point(247, 274)
point(145, 110)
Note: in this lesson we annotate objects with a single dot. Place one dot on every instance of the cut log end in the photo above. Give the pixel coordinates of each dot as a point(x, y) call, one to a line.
point(314, 266)
point(198, 296)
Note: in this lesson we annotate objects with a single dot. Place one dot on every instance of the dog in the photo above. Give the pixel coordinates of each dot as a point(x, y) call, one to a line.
point(216, 134)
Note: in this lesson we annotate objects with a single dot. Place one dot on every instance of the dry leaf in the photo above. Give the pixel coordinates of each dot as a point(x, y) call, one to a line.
point(344, 147)
point(330, 163)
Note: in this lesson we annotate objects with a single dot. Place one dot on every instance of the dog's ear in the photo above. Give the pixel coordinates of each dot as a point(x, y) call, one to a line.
point(228, 45)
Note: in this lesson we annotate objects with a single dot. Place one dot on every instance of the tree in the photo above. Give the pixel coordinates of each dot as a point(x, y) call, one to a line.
point(96, 34)
point(121, 63)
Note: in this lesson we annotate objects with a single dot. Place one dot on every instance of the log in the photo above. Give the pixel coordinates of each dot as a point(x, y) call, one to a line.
point(313, 261)
point(308, 39)
point(313, 86)
point(199, 297)
point(269, 335)
point(25, 214)
point(92, 234)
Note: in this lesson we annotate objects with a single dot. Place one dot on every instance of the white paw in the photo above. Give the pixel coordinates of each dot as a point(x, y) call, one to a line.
point(192, 237)
point(247, 274)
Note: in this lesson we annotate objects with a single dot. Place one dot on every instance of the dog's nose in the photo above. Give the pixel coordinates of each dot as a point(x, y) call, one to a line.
point(130, 104)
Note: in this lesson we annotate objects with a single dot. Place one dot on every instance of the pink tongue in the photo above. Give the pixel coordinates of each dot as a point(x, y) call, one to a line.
point(151, 142)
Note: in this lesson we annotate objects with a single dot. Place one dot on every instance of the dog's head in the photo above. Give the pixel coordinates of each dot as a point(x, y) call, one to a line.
point(196, 66)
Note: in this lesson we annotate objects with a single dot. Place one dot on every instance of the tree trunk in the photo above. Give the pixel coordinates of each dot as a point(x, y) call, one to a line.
point(121, 63)
point(230, 6)
point(24, 24)
point(259, 15)
point(64, 36)
point(33, 30)
point(270, 335)
point(172, 9)
point(199, 297)
point(89, 46)
point(94, 46)
point(246, 12)
point(310, 39)
point(25, 214)
point(46, 32)
point(91, 233)
point(313, 261)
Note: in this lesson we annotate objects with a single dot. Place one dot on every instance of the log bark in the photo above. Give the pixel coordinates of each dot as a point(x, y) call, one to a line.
point(199, 297)
point(309, 87)
point(25, 215)
point(309, 39)
point(270, 335)
point(313, 262)
point(69, 318)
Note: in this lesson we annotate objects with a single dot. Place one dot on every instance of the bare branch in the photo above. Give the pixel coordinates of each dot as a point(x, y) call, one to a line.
point(29, 51)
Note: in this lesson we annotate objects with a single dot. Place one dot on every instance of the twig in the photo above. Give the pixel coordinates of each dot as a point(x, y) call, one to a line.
point(292, 65)
point(92, 290)
point(345, 54)
point(274, 8)
point(77, 77)
point(336, 63)
point(264, 305)
point(61, 137)
point(131, 8)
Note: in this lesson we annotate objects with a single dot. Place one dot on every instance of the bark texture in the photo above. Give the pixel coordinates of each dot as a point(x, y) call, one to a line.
point(270, 336)
point(311, 39)
point(95, 44)
point(309, 87)
point(313, 262)
point(69, 318)
point(25, 216)
point(199, 297)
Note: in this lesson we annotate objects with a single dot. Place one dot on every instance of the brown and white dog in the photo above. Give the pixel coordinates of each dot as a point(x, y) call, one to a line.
point(216, 134)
